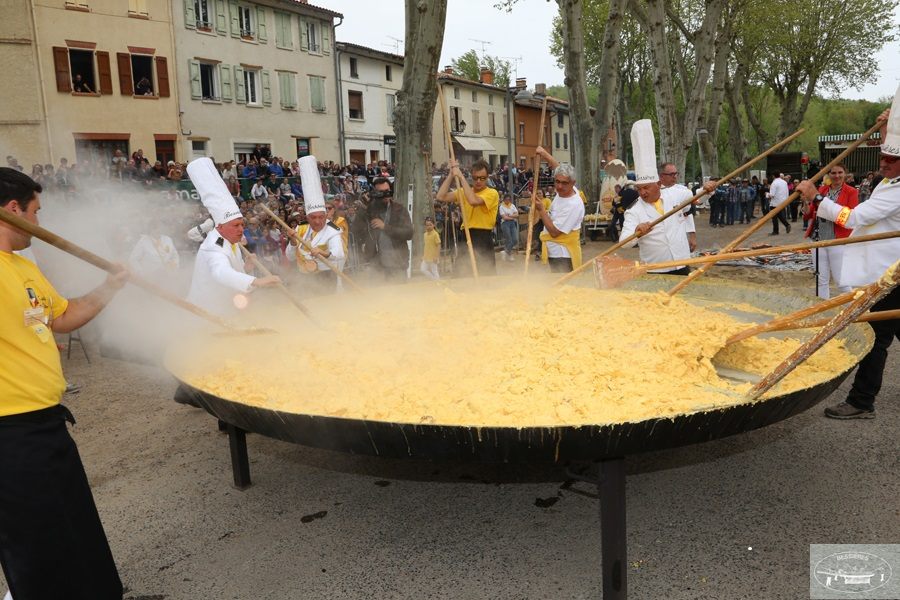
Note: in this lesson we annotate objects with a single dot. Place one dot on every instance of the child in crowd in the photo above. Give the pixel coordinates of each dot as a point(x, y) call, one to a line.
point(432, 250)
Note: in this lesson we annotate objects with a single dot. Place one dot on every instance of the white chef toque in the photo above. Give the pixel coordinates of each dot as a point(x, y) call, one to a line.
point(213, 192)
point(313, 198)
point(643, 144)
point(891, 143)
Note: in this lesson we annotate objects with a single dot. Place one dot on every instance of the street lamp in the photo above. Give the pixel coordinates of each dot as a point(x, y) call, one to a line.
point(462, 126)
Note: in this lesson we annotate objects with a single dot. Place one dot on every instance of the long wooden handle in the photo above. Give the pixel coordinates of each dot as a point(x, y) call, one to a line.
point(534, 189)
point(775, 211)
point(881, 315)
point(700, 260)
point(465, 222)
point(859, 305)
point(305, 244)
point(789, 320)
point(281, 287)
point(680, 207)
point(101, 263)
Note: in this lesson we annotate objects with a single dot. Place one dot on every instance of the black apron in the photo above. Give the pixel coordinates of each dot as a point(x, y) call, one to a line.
point(52, 544)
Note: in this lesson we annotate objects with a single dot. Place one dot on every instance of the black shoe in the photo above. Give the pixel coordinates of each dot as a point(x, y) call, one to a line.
point(848, 411)
point(773, 233)
point(788, 228)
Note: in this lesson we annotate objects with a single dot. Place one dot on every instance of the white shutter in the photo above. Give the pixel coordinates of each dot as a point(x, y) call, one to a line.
point(190, 17)
point(194, 72)
point(240, 94)
point(266, 88)
point(225, 82)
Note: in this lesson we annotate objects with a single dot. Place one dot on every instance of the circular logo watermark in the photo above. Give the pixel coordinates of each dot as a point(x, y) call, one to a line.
point(853, 572)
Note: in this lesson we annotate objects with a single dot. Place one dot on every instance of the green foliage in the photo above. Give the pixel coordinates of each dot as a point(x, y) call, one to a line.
point(469, 66)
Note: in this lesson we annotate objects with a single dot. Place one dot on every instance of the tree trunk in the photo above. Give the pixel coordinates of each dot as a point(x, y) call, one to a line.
point(608, 74)
point(415, 108)
point(708, 133)
point(571, 14)
point(736, 137)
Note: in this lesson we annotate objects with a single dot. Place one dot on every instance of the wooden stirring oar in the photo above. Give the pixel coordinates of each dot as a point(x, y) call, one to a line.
point(679, 208)
point(291, 234)
point(281, 287)
point(772, 213)
point(101, 263)
point(613, 272)
point(465, 222)
point(869, 295)
point(534, 189)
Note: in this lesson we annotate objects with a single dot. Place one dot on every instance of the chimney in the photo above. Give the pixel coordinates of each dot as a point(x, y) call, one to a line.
point(521, 83)
point(487, 76)
point(448, 69)
point(540, 89)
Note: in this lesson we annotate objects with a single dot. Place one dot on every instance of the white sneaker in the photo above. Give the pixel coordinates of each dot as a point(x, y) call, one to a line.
point(504, 255)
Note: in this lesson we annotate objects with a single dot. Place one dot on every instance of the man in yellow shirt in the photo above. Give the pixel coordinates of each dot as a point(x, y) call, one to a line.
point(479, 205)
point(52, 543)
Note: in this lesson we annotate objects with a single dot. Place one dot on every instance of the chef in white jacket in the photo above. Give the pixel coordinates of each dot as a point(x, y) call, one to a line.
point(668, 240)
point(219, 282)
point(322, 235)
point(866, 262)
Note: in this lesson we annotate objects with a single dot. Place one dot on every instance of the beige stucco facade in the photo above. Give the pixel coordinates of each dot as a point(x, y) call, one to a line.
point(44, 119)
point(256, 73)
point(475, 103)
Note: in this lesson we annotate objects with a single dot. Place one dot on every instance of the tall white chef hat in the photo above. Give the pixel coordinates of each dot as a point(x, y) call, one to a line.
point(890, 145)
point(643, 143)
point(213, 192)
point(313, 198)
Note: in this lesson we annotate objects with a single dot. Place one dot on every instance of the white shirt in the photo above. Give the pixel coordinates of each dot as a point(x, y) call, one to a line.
point(778, 191)
point(666, 241)
point(218, 275)
point(259, 192)
point(151, 257)
point(865, 263)
point(567, 215)
point(330, 236)
point(508, 211)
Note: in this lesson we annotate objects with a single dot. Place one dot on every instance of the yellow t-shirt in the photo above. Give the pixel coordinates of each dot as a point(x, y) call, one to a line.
point(483, 216)
point(31, 375)
point(432, 246)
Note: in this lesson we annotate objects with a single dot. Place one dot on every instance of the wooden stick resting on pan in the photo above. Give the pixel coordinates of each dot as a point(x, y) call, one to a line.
point(679, 208)
point(864, 298)
point(101, 263)
point(614, 272)
point(772, 213)
point(281, 287)
point(446, 120)
point(534, 189)
point(882, 315)
point(291, 234)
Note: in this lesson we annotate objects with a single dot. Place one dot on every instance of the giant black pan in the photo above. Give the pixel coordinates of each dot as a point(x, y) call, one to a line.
point(398, 440)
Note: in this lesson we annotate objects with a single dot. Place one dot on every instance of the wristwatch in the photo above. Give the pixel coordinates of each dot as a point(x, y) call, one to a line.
point(818, 198)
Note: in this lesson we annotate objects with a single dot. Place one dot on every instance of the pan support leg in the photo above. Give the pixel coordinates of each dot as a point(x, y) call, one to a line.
point(613, 542)
point(240, 463)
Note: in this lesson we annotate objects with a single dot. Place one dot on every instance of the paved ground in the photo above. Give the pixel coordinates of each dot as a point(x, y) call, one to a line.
point(730, 519)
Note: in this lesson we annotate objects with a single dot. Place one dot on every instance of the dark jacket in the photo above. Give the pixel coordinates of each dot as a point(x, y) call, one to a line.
point(398, 229)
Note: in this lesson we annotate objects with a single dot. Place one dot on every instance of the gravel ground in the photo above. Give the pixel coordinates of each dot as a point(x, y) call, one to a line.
point(727, 519)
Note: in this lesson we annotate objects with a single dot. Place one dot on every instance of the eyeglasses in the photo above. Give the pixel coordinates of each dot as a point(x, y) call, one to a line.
point(479, 177)
point(560, 182)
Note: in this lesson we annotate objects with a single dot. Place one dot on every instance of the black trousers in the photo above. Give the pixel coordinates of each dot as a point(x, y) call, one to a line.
point(483, 245)
point(560, 265)
point(779, 217)
point(870, 372)
point(52, 544)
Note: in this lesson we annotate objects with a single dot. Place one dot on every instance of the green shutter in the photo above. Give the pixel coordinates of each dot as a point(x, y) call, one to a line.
point(225, 82)
point(194, 71)
point(326, 37)
point(288, 90)
point(304, 38)
point(266, 88)
point(221, 18)
point(279, 29)
point(261, 33)
point(190, 17)
point(292, 88)
point(287, 35)
point(317, 93)
point(235, 20)
point(240, 94)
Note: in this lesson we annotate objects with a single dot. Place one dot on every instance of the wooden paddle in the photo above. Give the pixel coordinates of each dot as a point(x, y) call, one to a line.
point(679, 208)
point(291, 234)
point(101, 263)
point(446, 120)
point(613, 271)
point(772, 213)
point(281, 287)
point(534, 189)
point(863, 299)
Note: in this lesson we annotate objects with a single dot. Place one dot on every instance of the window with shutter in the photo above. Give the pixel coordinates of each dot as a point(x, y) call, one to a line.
point(202, 14)
point(142, 75)
point(304, 35)
point(81, 66)
point(355, 104)
point(245, 20)
point(190, 15)
point(126, 84)
point(162, 76)
point(235, 19)
point(137, 8)
point(492, 124)
point(195, 78)
point(326, 37)
point(262, 33)
point(240, 93)
point(104, 73)
point(61, 66)
point(476, 121)
point(288, 90)
point(317, 93)
point(251, 86)
point(221, 17)
point(208, 87)
point(266, 88)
